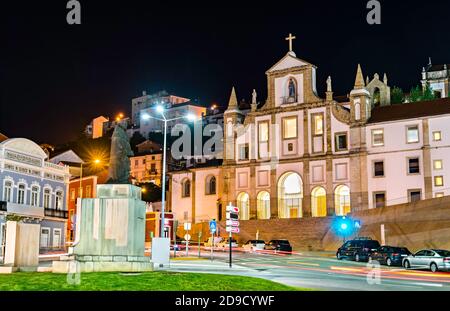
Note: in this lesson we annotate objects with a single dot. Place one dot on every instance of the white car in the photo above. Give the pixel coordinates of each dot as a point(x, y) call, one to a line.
point(217, 240)
point(254, 245)
point(225, 243)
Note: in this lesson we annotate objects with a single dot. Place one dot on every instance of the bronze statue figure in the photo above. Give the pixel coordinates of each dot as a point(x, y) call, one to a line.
point(119, 163)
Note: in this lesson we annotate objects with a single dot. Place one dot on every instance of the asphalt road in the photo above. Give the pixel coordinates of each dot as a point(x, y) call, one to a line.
point(316, 272)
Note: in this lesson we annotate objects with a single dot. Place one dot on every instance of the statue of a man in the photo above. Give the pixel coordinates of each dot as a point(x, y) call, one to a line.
point(329, 88)
point(119, 162)
point(254, 97)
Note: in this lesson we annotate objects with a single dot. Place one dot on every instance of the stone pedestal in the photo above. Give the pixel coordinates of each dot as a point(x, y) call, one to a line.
point(110, 233)
point(22, 247)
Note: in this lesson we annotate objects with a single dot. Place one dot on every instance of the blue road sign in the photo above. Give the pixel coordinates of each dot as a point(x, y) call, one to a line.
point(212, 226)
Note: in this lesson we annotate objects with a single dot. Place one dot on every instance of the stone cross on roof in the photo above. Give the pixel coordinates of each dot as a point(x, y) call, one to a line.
point(290, 39)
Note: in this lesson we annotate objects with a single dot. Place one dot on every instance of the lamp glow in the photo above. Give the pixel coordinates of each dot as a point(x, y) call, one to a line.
point(145, 116)
point(191, 117)
point(160, 108)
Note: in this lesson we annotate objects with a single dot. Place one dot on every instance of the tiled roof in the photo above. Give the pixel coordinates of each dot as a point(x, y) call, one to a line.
point(410, 110)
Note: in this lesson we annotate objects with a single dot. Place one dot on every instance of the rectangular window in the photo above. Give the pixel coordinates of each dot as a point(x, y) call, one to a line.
point(88, 191)
point(318, 124)
point(143, 161)
point(439, 194)
point(243, 152)
point(341, 141)
point(136, 162)
point(263, 132)
point(72, 195)
point(379, 199)
point(21, 195)
point(153, 167)
point(437, 136)
point(56, 238)
point(413, 166)
point(412, 135)
point(438, 181)
point(378, 137)
point(47, 198)
point(80, 192)
point(290, 128)
point(414, 195)
point(378, 169)
point(437, 165)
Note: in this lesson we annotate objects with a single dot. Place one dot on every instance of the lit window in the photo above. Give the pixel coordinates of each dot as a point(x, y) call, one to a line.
point(88, 191)
point(263, 132)
point(72, 195)
point(378, 137)
point(438, 181)
point(437, 136)
point(341, 141)
point(413, 134)
point(378, 169)
point(439, 194)
point(290, 128)
point(413, 166)
point(437, 164)
point(318, 124)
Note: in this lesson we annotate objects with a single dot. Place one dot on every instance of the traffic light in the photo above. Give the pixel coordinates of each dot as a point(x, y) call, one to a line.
point(345, 226)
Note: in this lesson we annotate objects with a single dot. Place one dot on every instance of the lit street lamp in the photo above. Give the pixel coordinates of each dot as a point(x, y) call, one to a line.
point(160, 109)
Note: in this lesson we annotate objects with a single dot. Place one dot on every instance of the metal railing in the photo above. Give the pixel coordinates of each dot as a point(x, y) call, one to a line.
point(56, 213)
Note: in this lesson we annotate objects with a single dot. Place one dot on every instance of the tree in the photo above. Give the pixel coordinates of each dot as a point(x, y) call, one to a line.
point(150, 192)
point(416, 94)
point(397, 95)
point(428, 93)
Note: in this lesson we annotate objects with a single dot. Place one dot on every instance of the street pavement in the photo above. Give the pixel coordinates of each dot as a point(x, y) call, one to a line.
point(312, 270)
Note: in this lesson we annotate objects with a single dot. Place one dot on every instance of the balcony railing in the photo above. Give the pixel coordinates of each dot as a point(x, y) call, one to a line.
point(288, 100)
point(56, 213)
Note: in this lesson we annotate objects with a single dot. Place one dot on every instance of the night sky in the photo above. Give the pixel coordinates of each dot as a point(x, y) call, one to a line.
point(56, 77)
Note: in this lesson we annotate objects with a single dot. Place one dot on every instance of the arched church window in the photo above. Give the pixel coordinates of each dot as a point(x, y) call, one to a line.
point(376, 97)
point(211, 185)
point(186, 188)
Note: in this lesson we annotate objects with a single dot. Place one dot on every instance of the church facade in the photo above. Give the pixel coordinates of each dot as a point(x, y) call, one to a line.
point(300, 155)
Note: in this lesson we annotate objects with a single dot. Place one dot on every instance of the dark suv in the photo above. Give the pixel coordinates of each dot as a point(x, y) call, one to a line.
point(279, 245)
point(390, 255)
point(358, 249)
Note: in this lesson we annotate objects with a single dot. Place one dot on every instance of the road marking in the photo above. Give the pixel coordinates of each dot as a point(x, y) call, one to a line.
point(429, 284)
point(305, 263)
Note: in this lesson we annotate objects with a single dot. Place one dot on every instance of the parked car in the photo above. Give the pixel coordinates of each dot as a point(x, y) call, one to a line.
point(254, 245)
point(433, 259)
point(279, 246)
point(390, 255)
point(358, 249)
point(217, 240)
point(225, 243)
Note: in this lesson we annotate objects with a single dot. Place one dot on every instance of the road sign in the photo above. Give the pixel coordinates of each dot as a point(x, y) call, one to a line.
point(232, 223)
point(187, 226)
point(232, 216)
point(187, 236)
point(232, 229)
point(232, 209)
point(212, 226)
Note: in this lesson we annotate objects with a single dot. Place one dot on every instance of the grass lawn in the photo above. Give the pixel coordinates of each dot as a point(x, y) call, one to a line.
point(162, 281)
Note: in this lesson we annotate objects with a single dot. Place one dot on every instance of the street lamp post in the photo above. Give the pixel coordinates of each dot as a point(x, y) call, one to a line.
point(160, 110)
